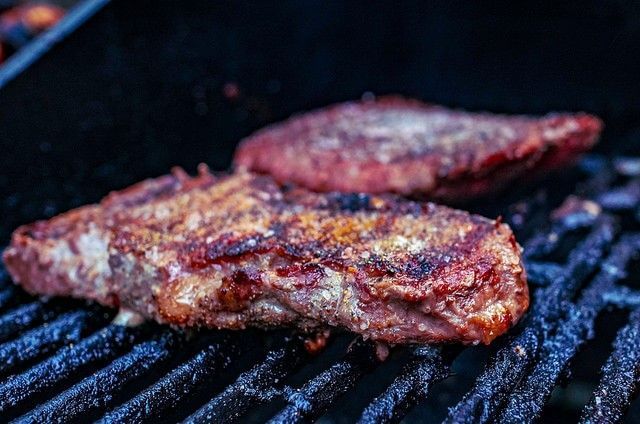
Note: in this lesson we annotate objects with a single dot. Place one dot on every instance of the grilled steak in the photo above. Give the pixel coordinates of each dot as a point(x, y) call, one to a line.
point(411, 148)
point(68, 255)
point(242, 251)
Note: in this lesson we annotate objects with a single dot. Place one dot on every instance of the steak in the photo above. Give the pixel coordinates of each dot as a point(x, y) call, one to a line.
point(245, 252)
point(242, 251)
point(68, 255)
point(412, 148)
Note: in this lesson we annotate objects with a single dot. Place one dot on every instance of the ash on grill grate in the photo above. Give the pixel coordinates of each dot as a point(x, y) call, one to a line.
point(253, 387)
point(426, 367)
point(572, 332)
point(620, 377)
point(98, 390)
point(66, 329)
point(311, 400)
point(23, 390)
point(60, 364)
point(171, 390)
point(24, 317)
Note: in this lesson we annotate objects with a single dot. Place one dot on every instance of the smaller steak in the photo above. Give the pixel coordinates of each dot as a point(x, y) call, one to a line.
point(411, 148)
point(68, 254)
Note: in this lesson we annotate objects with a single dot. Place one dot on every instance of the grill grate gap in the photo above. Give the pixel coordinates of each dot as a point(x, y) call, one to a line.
point(465, 369)
point(10, 296)
point(350, 407)
point(631, 279)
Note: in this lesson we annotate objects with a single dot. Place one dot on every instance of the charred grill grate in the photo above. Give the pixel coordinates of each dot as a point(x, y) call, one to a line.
point(62, 362)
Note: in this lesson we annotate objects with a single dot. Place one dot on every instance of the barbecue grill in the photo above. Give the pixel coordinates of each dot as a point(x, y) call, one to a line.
point(119, 92)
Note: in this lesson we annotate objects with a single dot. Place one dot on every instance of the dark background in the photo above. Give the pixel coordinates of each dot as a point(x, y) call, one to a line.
point(145, 85)
point(140, 86)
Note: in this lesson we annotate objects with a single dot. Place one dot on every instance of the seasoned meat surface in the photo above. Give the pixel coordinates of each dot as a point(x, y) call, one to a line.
point(411, 148)
point(244, 252)
point(68, 255)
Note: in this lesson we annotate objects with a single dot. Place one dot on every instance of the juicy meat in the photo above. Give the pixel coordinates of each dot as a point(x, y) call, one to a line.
point(244, 252)
point(411, 148)
point(68, 255)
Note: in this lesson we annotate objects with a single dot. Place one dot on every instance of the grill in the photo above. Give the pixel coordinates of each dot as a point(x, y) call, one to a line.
point(64, 362)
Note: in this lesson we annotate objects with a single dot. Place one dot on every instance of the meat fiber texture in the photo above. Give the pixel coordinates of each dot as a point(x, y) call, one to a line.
point(415, 149)
point(241, 251)
point(68, 255)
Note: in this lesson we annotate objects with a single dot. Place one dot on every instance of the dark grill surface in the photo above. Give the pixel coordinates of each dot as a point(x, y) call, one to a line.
point(63, 361)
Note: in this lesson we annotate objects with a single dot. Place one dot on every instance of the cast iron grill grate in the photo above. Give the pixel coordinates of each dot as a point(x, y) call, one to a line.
point(63, 361)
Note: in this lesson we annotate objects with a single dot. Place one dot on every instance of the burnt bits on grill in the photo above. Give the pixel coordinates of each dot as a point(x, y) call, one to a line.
point(411, 148)
point(244, 252)
point(68, 255)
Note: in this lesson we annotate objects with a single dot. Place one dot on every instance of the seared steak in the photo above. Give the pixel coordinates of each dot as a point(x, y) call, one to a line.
point(411, 148)
point(242, 251)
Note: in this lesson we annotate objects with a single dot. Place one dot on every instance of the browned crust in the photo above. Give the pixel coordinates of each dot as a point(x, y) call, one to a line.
point(411, 148)
point(244, 253)
point(68, 254)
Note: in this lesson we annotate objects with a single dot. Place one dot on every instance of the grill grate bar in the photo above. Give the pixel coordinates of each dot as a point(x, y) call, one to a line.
point(22, 318)
point(67, 328)
point(426, 367)
point(512, 361)
point(494, 385)
point(172, 389)
point(623, 199)
point(97, 391)
point(527, 401)
point(514, 386)
point(312, 400)
point(542, 244)
point(601, 175)
point(581, 262)
point(620, 377)
point(68, 363)
point(542, 274)
point(253, 387)
point(623, 297)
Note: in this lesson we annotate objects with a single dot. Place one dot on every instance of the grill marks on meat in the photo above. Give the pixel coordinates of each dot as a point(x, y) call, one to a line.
point(411, 148)
point(244, 252)
point(68, 255)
